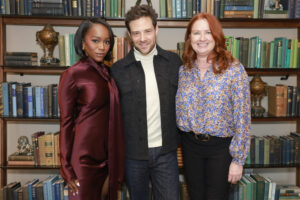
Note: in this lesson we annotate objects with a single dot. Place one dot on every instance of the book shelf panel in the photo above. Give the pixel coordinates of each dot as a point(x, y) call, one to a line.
point(41, 70)
point(166, 22)
point(38, 119)
point(272, 166)
point(28, 167)
point(272, 71)
point(273, 119)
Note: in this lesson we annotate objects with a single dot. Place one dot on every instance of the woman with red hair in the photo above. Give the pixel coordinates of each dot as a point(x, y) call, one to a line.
point(212, 110)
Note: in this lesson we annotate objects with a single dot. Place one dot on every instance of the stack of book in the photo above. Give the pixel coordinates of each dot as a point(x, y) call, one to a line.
point(50, 7)
point(46, 151)
point(253, 52)
point(283, 101)
point(275, 150)
point(253, 186)
point(51, 188)
point(291, 192)
point(24, 100)
point(21, 59)
point(19, 159)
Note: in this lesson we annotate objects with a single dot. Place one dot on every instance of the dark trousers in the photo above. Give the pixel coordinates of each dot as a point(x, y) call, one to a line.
point(161, 169)
point(206, 167)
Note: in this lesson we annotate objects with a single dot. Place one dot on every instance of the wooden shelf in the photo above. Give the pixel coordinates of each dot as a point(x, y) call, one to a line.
point(39, 119)
point(164, 23)
point(273, 119)
point(28, 167)
point(273, 71)
point(255, 119)
point(271, 166)
point(46, 70)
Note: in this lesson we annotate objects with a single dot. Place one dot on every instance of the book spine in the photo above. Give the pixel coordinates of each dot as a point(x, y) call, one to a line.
point(162, 8)
point(5, 98)
point(14, 100)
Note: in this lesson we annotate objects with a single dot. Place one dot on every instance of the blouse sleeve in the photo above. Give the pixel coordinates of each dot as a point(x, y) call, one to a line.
point(67, 93)
point(239, 147)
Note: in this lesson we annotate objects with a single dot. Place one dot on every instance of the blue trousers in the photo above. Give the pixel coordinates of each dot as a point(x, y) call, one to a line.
point(160, 169)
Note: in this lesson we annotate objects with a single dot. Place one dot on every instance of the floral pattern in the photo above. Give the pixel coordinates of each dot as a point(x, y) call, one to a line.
point(218, 105)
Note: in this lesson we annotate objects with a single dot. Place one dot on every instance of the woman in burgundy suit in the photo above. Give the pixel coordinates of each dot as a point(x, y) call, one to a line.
point(92, 149)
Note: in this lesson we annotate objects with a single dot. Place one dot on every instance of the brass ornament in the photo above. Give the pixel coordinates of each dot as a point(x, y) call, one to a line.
point(47, 39)
point(138, 2)
point(258, 91)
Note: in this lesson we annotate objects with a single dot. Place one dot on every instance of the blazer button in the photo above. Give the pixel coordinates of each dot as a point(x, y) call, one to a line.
point(138, 81)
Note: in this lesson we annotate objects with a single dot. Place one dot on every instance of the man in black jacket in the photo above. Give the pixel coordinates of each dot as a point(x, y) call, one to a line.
point(147, 80)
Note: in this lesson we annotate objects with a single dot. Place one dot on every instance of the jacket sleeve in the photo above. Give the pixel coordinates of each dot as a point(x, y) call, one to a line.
point(67, 94)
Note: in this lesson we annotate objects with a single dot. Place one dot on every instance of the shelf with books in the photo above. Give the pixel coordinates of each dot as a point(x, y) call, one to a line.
point(116, 23)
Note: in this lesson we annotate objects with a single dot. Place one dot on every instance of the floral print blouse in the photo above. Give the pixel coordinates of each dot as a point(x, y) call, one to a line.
point(218, 105)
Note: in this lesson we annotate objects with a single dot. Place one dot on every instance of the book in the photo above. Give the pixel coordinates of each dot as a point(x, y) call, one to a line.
point(19, 157)
point(14, 53)
point(46, 149)
point(20, 63)
point(47, 187)
point(277, 100)
point(38, 188)
point(9, 190)
point(21, 58)
point(30, 188)
point(21, 162)
point(35, 146)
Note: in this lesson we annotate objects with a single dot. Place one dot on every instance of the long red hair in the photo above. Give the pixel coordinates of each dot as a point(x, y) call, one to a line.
point(219, 55)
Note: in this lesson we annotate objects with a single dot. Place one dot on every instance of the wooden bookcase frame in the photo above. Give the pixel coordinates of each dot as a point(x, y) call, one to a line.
point(162, 23)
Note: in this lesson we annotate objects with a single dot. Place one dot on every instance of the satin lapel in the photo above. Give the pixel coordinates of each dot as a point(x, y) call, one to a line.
point(98, 68)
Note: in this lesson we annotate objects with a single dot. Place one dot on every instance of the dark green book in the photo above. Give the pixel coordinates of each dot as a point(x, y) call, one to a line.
point(260, 186)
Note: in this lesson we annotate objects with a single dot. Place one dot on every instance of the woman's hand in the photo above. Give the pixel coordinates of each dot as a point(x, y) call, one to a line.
point(235, 173)
point(73, 186)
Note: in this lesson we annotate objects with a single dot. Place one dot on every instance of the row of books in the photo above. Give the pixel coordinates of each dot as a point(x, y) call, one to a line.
point(68, 56)
point(255, 53)
point(281, 52)
point(230, 8)
point(258, 187)
point(97, 8)
point(283, 101)
point(21, 59)
point(52, 188)
point(25, 100)
point(46, 151)
point(275, 150)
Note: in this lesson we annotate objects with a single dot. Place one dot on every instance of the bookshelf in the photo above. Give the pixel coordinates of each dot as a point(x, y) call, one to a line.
point(119, 23)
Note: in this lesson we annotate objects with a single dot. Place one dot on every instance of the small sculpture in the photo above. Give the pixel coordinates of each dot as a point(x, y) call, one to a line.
point(47, 39)
point(24, 148)
point(258, 91)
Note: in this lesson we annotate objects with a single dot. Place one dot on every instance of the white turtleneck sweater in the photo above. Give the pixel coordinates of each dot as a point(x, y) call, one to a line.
point(152, 98)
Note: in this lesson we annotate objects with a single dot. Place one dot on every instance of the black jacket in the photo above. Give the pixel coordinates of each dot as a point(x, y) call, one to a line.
point(130, 78)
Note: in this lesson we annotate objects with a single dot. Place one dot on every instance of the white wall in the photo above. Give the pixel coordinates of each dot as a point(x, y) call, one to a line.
point(22, 38)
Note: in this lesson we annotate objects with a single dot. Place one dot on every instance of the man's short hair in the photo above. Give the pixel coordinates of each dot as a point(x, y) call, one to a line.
point(139, 11)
